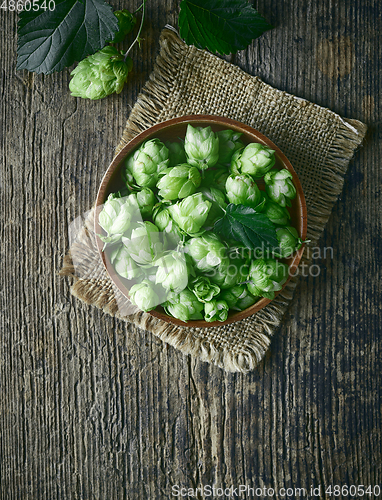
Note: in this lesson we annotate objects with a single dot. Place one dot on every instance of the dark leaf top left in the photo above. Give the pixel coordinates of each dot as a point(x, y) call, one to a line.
point(49, 41)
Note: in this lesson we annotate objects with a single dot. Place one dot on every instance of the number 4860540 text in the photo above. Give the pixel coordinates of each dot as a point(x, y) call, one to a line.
point(27, 5)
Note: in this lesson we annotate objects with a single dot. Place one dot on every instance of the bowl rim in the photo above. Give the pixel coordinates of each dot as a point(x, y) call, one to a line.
point(208, 120)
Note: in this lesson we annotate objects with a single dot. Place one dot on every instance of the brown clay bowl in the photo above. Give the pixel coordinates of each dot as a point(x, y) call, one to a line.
point(171, 130)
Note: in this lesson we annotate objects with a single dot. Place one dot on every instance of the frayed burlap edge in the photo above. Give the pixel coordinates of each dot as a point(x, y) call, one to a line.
point(256, 330)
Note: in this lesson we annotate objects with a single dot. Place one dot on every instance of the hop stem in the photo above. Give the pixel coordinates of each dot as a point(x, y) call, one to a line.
point(139, 8)
point(137, 39)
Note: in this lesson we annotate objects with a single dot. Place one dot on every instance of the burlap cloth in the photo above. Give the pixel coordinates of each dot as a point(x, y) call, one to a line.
point(318, 142)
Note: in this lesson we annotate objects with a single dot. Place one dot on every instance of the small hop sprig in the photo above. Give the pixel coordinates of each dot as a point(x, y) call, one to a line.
point(106, 71)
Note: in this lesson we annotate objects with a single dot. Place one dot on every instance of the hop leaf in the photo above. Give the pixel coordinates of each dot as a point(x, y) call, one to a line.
point(246, 225)
point(50, 40)
point(222, 26)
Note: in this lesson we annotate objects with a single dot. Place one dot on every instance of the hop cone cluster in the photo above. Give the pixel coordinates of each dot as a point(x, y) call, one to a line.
point(183, 229)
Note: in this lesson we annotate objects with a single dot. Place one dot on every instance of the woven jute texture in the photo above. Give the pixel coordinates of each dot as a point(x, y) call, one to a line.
point(318, 142)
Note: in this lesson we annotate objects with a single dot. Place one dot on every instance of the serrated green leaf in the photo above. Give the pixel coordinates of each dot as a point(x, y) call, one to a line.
point(49, 41)
point(223, 26)
point(251, 228)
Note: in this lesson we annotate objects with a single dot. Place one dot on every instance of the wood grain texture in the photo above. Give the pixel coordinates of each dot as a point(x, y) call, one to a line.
point(91, 408)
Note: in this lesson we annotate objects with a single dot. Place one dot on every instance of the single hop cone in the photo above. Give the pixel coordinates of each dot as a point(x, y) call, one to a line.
point(229, 142)
point(100, 74)
point(216, 310)
point(126, 23)
point(279, 187)
point(243, 190)
point(150, 159)
point(255, 160)
point(201, 146)
point(266, 276)
point(184, 306)
point(178, 182)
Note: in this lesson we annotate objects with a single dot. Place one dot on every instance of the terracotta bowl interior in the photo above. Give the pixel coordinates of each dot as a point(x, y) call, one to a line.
point(171, 130)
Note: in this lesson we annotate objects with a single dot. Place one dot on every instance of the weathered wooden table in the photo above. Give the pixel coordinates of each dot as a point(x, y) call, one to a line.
point(91, 408)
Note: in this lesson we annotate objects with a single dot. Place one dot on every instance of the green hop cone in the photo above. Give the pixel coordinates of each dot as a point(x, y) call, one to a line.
point(172, 272)
point(216, 310)
point(266, 276)
point(115, 218)
point(275, 213)
point(228, 143)
point(277, 270)
point(230, 273)
point(203, 289)
point(191, 213)
point(146, 201)
point(243, 190)
point(146, 243)
point(144, 295)
point(216, 178)
point(122, 193)
point(164, 223)
point(207, 252)
point(184, 306)
point(176, 153)
point(288, 241)
point(126, 23)
point(255, 160)
point(246, 300)
point(279, 187)
point(218, 205)
point(201, 146)
point(149, 160)
point(238, 297)
point(100, 74)
point(124, 264)
point(232, 295)
point(127, 172)
point(178, 182)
